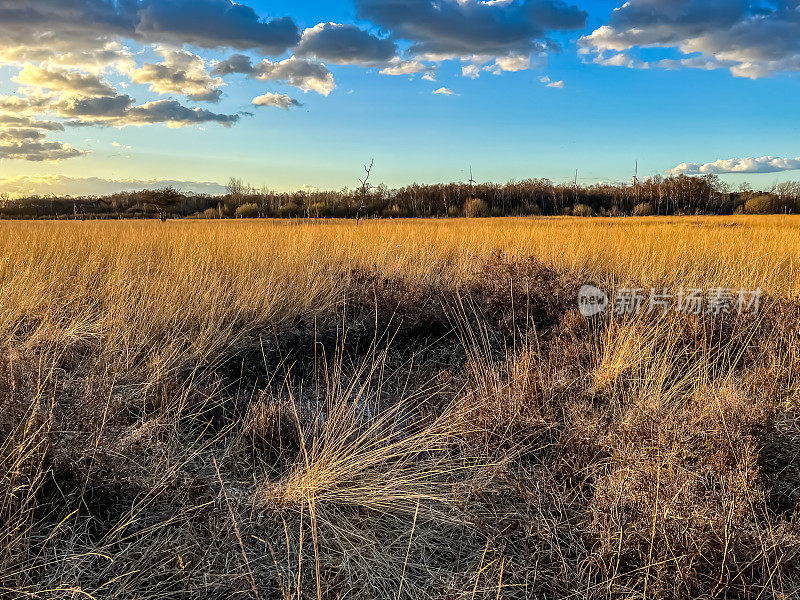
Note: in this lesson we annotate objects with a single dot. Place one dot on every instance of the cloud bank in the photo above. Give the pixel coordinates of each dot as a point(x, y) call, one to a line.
point(764, 164)
point(74, 63)
point(31, 148)
point(59, 25)
point(62, 185)
point(74, 67)
point(22, 138)
point(66, 52)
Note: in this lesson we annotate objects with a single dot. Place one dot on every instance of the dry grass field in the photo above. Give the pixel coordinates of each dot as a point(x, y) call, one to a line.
point(399, 409)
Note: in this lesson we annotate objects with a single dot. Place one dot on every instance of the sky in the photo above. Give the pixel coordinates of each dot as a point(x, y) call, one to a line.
point(98, 96)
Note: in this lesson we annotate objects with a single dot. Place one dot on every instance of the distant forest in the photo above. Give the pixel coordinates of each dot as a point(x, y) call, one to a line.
point(680, 195)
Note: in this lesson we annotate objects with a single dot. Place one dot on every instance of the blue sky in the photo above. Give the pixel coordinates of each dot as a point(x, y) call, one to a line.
point(510, 125)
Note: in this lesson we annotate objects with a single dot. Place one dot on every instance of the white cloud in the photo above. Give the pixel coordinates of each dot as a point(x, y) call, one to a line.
point(511, 63)
point(345, 45)
point(764, 164)
point(72, 61)
point(550, 83)
point(278, 100)
point(63, 81)
point(25, 105)
point(460, 28)
point(182, 73)
point(119, 111)
point(751, 38)
point(23, 138)
point(66, 50)
point(471, 71)
point(301, 73)
point(215, 24)
point(94, 56)
point(500, 64)
point(620, 59)
point(14, 121)
point(52, 27)
point(398, 66)
point(35, 150)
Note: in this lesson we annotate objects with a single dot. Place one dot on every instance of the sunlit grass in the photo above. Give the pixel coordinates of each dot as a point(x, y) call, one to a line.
point(618, 456)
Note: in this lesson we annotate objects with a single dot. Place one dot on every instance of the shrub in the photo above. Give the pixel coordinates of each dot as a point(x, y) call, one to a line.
point(453, 212)
point(532, 209)
point(247, 211)
point(643, 209)
point(582, 210)
point(475, 207)
point(320, 210)
point(394, 212)
point(289, 209)
point(760, 205)
point(211, 213)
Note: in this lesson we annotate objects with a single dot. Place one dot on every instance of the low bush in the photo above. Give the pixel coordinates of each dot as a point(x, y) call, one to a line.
point(320, 210)
point(289, 210)
point(760, 205)
point(475, 207)
point(247, 211)
point(582, 210)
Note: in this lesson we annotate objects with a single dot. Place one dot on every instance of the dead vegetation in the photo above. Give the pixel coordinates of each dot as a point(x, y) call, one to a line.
point(302, 420)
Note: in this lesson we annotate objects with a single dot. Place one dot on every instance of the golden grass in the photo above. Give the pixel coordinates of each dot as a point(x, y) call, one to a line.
point(627, 453)
point(159, 297)
point(130, 283)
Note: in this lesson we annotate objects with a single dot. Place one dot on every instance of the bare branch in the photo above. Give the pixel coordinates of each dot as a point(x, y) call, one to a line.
point(365, 189)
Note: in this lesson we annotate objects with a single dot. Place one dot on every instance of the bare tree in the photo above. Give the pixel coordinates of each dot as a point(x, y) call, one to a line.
point(576, 186)
point(237, 190)
point(364, 189)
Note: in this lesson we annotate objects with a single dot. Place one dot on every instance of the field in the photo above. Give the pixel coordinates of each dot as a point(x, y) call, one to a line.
point(397, 409)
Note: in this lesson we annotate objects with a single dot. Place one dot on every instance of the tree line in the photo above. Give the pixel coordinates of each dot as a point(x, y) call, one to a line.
point(678, 195)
